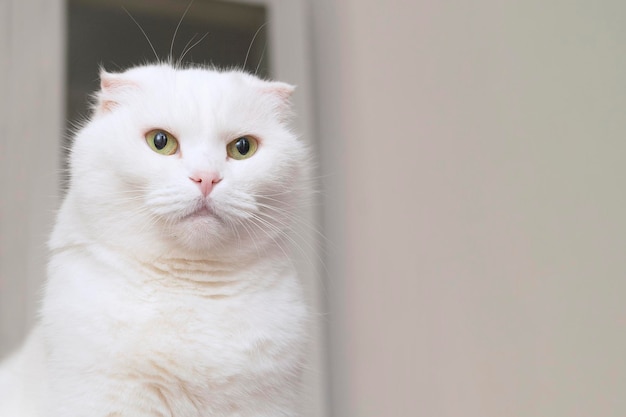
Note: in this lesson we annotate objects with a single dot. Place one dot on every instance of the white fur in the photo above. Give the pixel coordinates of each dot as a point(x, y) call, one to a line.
point(150, 313)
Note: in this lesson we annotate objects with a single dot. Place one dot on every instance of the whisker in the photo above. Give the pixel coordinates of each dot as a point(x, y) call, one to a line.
point(191, 47)
point(185, 48)
point(252, 43)
point(272, 237)
point(252, 238)
point(171, 57)
point(142, 31)
point(296, 231)
point(260, 59)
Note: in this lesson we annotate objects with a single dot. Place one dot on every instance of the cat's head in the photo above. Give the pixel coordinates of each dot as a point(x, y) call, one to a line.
point(189, 159)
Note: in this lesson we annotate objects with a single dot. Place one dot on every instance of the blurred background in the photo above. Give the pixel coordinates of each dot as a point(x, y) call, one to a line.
point(472, 176)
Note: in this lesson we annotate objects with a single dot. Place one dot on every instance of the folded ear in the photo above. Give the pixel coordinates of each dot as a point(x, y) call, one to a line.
point(281, 93)
point(281, 90)
point(113, 87)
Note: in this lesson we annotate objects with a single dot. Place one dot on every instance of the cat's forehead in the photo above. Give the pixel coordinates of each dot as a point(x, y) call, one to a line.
point(199, 81)
point(167, 95)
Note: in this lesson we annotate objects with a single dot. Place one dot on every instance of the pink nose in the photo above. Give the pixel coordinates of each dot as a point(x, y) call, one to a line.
point(205, 180)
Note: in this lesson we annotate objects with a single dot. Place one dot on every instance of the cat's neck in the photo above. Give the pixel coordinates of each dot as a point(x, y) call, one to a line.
point(181, 274)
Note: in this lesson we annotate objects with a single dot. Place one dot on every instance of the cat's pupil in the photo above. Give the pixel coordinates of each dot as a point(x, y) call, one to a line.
point(243, 146)
point(160, 140)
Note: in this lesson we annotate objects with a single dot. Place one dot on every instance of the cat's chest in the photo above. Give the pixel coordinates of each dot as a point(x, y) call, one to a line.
point(211, 335)
point(217, 349)
point(225, 355)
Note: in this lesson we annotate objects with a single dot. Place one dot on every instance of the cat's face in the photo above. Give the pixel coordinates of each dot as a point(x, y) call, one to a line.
point(192, 159)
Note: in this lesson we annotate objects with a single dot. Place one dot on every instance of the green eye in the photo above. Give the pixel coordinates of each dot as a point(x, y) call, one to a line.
point(162, 142)
point(242, 148)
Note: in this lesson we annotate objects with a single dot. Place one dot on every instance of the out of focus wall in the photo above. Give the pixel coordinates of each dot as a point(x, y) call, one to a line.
point(31, 125)
point(474, 157)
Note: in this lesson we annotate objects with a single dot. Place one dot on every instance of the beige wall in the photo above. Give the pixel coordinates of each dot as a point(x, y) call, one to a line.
point(31, 125)
point(474, 154)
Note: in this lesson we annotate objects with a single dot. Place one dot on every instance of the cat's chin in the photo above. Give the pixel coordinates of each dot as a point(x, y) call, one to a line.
point(203, 221)
point(202, 213)
point(200, 230)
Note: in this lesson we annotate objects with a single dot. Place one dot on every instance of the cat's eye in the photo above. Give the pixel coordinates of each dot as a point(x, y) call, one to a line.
point(162, 142)
point(242, 148)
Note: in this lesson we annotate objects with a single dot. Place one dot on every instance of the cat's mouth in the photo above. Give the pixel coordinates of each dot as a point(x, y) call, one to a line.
point(204, 211)
point(201, 211)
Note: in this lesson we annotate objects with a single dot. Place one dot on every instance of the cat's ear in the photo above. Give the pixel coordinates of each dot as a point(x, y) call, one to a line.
point(280, 90)
point(113, 87)
point(281, 93)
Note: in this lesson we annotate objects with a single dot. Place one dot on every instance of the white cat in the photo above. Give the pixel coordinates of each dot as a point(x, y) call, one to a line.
point(170, 292)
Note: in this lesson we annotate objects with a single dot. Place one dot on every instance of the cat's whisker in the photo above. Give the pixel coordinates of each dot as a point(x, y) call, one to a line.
point(252, 43)
point(258, 65)
point(272, 227)
point(144, 33)
point(191, 47)
point(252, 238)
point(180, 59)
point(235, 230)
point(270, 235)
point(295, 221)
point(171, 56)
point(286, 232)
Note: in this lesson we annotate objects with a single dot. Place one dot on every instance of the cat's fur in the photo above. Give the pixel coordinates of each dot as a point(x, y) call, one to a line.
point(150, 309)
